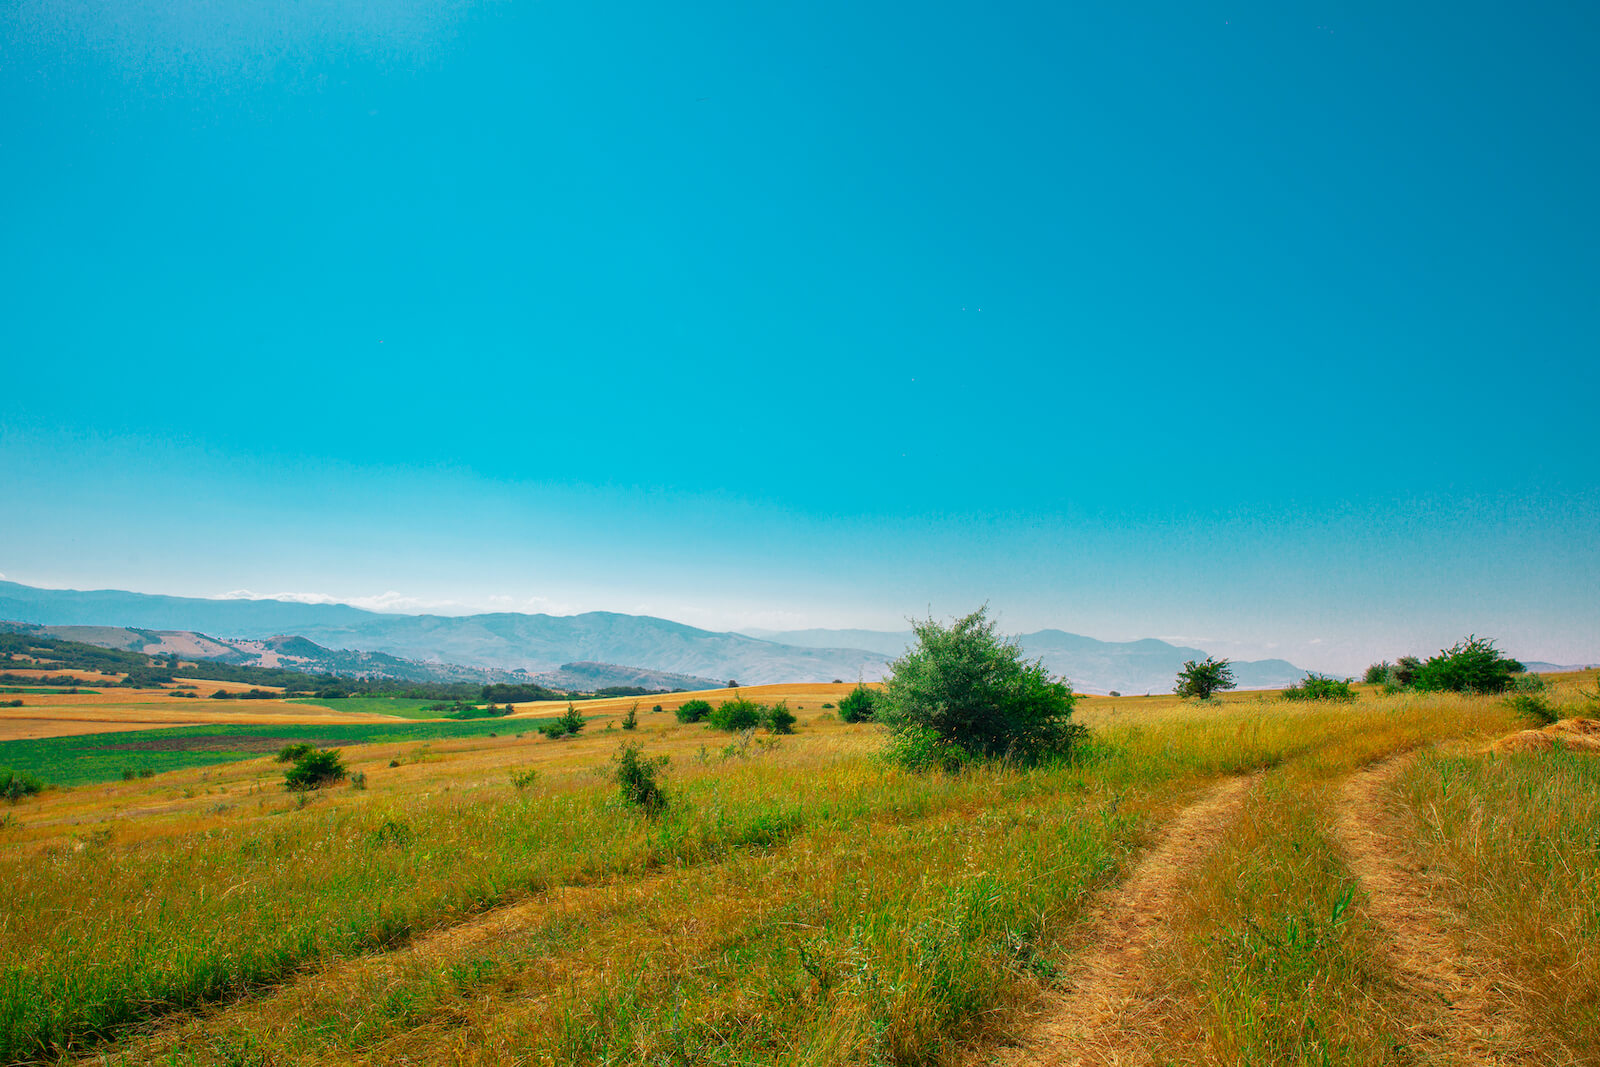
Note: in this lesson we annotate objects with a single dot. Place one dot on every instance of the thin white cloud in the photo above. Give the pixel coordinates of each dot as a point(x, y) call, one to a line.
point(391, 601)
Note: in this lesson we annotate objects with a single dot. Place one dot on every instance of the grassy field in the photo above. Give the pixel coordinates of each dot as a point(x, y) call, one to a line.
point(800, 901)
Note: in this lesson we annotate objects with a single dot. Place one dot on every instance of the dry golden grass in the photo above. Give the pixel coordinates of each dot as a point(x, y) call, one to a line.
point(803, 903)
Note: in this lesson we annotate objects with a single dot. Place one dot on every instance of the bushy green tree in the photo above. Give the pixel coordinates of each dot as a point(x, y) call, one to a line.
point(315, 769)
point(1470, 666)
point(630, 721)
point(779, 719)
point(858, 705)
point(963, 692)
point(693, 710)
point(1320, 687)
point(736, 714)
point(1205, 679)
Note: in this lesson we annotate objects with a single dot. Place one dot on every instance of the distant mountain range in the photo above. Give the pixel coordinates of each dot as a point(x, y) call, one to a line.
point(1092, 666)
point(501, 641)
point(590, 650)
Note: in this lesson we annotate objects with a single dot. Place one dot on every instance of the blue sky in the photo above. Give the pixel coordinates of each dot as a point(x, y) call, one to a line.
point(1271, 327)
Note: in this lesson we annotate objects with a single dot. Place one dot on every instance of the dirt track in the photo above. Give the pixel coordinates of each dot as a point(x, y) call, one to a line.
point(1460, 1016)
point(1089, 1020)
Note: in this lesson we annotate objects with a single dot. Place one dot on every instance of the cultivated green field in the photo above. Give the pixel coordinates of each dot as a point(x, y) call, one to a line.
point(88, 758)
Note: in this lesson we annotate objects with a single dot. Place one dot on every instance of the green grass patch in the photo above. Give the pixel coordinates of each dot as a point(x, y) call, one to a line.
point(88, 758)
point(55, 690)
point(399, 707)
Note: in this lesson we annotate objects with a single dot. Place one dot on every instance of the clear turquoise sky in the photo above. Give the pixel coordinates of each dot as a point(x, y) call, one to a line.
point(1268, 326)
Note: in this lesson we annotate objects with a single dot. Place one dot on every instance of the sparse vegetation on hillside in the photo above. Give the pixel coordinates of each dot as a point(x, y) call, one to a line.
point(963, 692)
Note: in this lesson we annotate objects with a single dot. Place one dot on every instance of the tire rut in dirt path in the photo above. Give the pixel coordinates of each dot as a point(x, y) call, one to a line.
point(1462, 1016)
point(433, 947)
point(1088, 1020)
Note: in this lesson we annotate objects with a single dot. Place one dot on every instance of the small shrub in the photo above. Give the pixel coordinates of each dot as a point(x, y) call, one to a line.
point(859, 705)
point(693, 710)
point(314, 770)
point(827, 707)
point(656, 709)
point(1529, 683)
point(1319, 687)
point(567, 725)
point(14, 785)
point(524, 779)
point(1536, 708)
point(780, 720)
point(636, 777)
point(294, 753)
point(736, 714)
point(358, 780)
point(10, 703)
point(630, 721)
point(394, 763)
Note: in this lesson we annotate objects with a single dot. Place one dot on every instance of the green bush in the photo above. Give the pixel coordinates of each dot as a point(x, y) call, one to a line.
point(736, 714)
point(1536, 708)
point(568, 724)
point(1470, 666)
point(859, 705)
point(1529, 683)
point(314, 770)
point(1396, 676)
point(1205, 679)
point(14, 785)
point(1320, 687)
point(693, 710)
point(294, 753)
point(635, 775)
point(630, 721)
point(964, 692)
point(524, 779)
point(780, 720)
point(656, 709)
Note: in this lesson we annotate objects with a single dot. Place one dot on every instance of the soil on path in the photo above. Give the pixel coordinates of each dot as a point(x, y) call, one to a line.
point(1462, 1014)
point(1095, 1015)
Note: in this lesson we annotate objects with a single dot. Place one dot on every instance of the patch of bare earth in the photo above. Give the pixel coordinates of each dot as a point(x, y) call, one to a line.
point(1095, 1015)
point(1463, 1010)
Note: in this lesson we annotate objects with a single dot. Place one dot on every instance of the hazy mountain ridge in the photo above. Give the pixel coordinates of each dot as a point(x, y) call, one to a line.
point(287, 652)
point(587, 677)
point(532, 645)
point(500, 641)
point(1147, 665)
